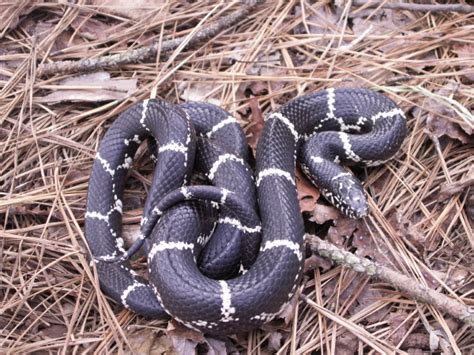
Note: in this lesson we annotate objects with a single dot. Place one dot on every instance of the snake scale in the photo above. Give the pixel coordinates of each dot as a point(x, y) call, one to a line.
point(251, 267)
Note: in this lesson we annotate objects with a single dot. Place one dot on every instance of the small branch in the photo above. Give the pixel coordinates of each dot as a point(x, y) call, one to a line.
point(407, 285)
point(466, 9)
point(145, 53)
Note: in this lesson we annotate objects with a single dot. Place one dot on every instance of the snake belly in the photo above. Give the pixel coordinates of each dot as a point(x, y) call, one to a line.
point(323, 129)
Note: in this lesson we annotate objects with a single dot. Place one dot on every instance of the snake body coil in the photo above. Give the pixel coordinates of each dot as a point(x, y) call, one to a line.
point(259, 263)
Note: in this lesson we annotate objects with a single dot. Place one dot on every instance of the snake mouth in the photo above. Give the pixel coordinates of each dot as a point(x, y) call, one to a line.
point(361, 212)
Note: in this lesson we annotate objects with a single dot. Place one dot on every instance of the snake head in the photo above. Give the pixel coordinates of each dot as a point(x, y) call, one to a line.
point(347, 194)
point(355, 204)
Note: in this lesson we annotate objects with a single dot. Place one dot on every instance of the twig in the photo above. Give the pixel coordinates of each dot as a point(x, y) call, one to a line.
point(148, 52)
point(407, 285)
point(467, 9)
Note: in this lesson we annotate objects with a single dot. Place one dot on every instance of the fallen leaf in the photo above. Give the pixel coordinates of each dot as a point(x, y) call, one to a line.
point(434, 340)
point(440, 126)
point(5, 71)
point(407, 231)
point(274, 340)
point(324, 213)
point(131, 233)
point(287, 313)
point(42, 30)
point(272, 85)
point(382, 22)
point(470, 206)
point(11, 12)
point(184, 340)
point(133, 202)
point(32, 210)
point(141, 341)
point(457, 278)
point(7, 67)
point(91, 28)
point(236, 54)
point(368, 246)
point(67, 309)
point(255, 126)
point(284, 317)
point(266, 65)
point(259, 88)
point(465, 51)
point(366, 299)
point(345, 343)
point(343, 228)
point(131, 9)
point(448, 190)
point(183, 346)
point(431, 278)
point(216, 347)
point(76, 175)
point(91, 88)
point(308, 194)
point(54, 331)
point(417, 341)
point(315, 261)
point(332, 289)
point(162, 345)
point(380, 183)
point(398, 326)
point(198, 91)
point(443, 117)
point(322, 21)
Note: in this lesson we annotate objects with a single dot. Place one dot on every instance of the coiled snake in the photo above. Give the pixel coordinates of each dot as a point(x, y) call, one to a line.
point(248, 270)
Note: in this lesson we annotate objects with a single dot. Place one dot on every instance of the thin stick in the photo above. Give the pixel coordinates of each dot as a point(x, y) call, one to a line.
point(148, 52)
point(467, 9)
point(407, 285)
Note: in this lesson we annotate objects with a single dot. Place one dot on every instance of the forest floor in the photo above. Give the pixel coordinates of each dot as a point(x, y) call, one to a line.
point(421, 203)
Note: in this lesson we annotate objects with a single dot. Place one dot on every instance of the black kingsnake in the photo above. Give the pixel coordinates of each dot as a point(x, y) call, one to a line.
point(260, 265)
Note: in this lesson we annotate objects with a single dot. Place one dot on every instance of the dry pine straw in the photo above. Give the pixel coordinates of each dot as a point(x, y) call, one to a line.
point(49, 298)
